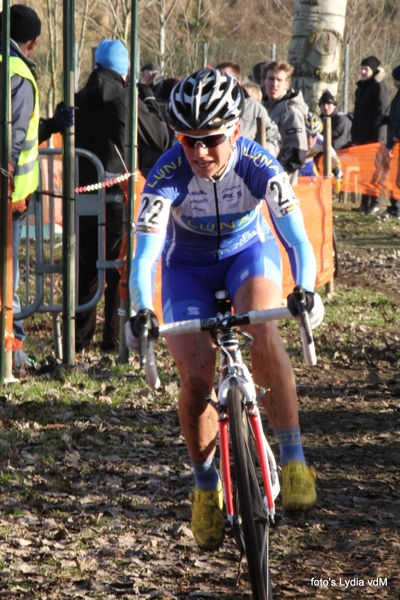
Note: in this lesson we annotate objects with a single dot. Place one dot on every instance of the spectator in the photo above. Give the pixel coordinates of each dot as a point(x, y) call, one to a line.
point(100, 128)
point(315, 141)
point(163, 99)
point(252, 111)
point(27, 132)
point(287, 108)
point(393, 137)
point(152, 77)
point(371, 102)
point(253, 90)
point(165, 92)
point(256, 72)
point(151, 129)
point(340, 123)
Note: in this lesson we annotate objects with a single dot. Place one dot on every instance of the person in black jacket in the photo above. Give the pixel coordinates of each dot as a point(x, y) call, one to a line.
point(393, 137)
point(371, 102)
point(340, 123)
point(151, 75)
point(101, 113)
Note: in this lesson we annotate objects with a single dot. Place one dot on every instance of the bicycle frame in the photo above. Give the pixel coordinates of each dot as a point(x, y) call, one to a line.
point(238, 375)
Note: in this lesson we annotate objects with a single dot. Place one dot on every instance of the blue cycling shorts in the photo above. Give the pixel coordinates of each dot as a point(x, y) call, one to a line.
point(188, 291)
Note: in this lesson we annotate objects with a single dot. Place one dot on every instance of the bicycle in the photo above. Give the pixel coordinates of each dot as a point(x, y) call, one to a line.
point(249, 473)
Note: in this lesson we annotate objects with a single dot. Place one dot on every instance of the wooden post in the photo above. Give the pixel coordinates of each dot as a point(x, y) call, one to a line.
point(261, 136)
point(327, 121)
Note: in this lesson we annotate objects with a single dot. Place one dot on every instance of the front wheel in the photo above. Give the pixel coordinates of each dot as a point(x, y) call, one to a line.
point(250, 514)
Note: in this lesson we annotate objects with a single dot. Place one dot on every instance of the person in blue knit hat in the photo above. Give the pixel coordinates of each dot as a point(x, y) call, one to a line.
point(112, 54)
point(100, 128)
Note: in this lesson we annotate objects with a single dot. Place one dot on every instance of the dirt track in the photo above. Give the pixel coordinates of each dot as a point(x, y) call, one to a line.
point(109, 517)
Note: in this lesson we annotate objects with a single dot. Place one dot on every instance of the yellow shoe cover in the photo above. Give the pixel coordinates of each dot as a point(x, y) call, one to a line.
point(207, 518)
point(298, 486)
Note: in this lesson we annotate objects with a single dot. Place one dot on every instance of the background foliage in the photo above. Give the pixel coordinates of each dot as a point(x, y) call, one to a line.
point(183, 35)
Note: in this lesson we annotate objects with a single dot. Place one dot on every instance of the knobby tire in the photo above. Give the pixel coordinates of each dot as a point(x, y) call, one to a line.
point(254, 521)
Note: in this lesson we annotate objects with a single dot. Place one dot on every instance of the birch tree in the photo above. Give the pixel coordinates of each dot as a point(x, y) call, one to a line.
point(316, 47)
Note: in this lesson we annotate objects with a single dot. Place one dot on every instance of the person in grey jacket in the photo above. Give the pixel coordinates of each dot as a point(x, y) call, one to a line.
point(287, 108)
point(393, 136)
point(252, 111)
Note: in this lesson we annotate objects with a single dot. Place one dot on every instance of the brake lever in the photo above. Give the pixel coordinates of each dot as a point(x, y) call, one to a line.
point(300, 298)
point(144, 336)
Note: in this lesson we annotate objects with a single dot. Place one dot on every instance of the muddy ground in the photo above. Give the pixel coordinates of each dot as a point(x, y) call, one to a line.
point(94, 497)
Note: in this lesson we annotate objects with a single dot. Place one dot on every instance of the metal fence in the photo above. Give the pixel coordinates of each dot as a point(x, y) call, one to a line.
point(41, 269)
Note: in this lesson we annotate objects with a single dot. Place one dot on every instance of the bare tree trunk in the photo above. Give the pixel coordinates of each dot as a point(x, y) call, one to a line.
point(162, 35)
point(316, 47)
point(54, 18)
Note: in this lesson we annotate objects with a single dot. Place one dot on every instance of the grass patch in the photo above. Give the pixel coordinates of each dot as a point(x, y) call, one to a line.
point(355, 231)
point(366, 307)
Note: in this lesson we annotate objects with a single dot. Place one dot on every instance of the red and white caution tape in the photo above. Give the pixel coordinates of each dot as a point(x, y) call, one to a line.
point(91, 187)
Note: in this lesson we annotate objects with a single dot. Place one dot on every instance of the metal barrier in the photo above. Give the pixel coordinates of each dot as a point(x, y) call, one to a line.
point(46, 266)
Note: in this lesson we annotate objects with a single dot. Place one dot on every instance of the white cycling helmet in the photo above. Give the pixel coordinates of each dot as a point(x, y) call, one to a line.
point(313, 124)
point(205, 100)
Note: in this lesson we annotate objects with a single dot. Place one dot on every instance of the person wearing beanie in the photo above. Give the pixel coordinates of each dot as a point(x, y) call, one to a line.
point(371, 103)
point(372, 62)
point(340, 123)
point(27, 132)
point(100, 128)
point(327, 98)
point(393, 137)
point(25, 24)
point(112, 54)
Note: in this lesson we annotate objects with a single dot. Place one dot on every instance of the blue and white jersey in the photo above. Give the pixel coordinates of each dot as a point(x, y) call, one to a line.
point(201, 221)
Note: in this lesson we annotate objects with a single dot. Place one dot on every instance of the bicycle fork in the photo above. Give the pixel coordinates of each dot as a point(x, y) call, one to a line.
point(237, 374)
point(265, 457)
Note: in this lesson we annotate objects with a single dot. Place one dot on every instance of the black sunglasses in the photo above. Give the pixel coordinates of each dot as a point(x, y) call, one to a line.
point(208, 141)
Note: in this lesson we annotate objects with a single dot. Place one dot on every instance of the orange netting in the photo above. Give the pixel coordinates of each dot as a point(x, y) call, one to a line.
point(315, 195)
point(46, 184)
point(365, 171)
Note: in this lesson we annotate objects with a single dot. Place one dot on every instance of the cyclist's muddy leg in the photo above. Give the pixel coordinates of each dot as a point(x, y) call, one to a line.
point(194, 356)
point(271, 365)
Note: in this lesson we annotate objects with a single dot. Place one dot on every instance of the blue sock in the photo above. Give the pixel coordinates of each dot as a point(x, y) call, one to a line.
point(290, 447)
point(206, 474)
